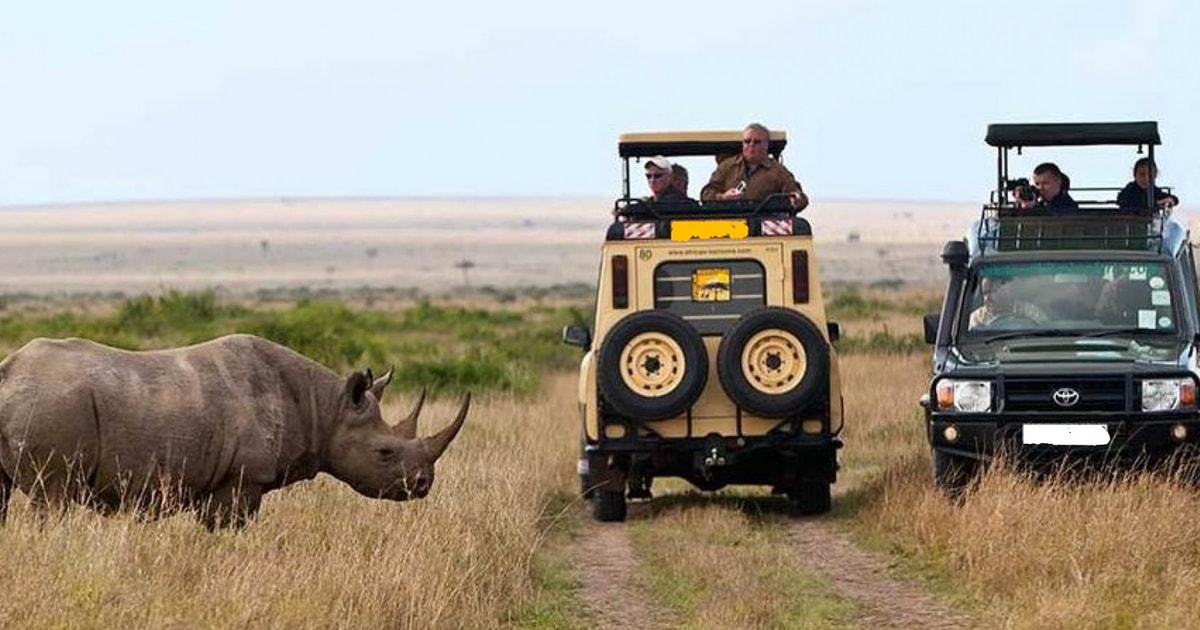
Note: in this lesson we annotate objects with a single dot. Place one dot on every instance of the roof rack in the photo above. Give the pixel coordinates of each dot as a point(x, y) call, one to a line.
point(1006, 229)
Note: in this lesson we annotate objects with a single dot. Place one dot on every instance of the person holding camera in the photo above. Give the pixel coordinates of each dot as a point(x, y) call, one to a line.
point(753, 175)
point(1048, 192)
point(1134, 195)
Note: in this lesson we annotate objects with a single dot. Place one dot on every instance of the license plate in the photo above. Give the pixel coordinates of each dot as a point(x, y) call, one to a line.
point(1066, 434)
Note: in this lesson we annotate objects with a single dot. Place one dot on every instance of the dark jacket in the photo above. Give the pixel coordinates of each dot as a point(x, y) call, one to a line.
point(1060, 204)
point(670, 194)
point(1134, 197)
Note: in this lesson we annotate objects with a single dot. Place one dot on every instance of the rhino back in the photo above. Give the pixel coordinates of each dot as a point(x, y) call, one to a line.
point(199, 413)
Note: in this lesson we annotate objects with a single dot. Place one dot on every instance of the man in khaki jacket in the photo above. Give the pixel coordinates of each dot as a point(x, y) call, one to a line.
point(753, 175)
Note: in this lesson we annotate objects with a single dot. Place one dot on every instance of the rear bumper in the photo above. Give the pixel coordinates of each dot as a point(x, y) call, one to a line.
point(714, 462)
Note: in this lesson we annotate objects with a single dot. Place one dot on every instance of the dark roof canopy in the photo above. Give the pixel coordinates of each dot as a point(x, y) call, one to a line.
point(1072, 134)
point(677, 143)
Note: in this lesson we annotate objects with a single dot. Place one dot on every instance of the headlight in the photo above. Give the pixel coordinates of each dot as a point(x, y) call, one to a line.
point(971, 396)
point(1165, 394)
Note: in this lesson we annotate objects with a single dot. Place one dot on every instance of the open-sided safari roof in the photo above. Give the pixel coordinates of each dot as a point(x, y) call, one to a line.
point(678, 143)
point(1072, 134)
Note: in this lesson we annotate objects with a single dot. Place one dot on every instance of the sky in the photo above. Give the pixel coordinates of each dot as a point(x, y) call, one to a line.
point(129, 100)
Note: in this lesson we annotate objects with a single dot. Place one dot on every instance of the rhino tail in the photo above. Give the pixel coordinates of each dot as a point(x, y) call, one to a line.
point(436, 444)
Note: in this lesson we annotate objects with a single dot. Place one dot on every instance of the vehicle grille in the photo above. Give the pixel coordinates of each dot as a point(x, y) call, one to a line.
point(1098, 393)
point(673, 291)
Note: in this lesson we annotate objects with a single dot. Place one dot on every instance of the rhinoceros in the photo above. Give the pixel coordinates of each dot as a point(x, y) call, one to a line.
point(214, 425)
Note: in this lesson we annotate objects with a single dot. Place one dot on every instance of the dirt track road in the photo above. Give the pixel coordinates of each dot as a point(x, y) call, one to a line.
point(605, 563)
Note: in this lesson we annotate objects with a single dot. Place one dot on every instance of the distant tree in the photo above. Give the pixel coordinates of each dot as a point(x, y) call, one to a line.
point(465, 265)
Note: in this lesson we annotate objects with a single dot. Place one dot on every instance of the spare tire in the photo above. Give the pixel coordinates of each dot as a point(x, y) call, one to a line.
point(773, 362)
point(652, 366)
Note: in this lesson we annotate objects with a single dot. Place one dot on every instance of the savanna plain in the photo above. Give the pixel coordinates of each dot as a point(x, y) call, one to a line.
point(465, 295)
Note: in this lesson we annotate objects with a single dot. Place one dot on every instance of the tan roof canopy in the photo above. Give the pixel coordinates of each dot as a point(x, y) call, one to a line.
point(679, 143)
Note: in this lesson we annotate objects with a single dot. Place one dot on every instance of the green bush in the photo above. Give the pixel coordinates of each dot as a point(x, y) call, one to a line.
point(446, 349)
point(323, 330)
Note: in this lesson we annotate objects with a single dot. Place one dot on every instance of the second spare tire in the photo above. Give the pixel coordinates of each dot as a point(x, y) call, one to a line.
point(773, 362)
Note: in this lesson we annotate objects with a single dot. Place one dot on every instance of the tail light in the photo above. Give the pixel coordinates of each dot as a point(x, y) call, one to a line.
point(800, 276)
point(620, 281)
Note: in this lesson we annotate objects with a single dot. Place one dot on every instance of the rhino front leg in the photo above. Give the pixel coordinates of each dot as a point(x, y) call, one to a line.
point(6, 486)
point(231, 505)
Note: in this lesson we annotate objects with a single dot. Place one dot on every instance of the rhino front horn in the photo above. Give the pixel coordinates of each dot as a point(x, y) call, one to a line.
point(407, 428)
point(435, 445)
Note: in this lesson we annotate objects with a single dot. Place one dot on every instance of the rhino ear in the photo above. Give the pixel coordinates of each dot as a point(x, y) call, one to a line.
point(408, 427)
point(356, 388)
point(436, 444)
point(382, 382)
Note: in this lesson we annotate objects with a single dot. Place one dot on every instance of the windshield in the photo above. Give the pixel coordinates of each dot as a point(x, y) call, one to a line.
point(1069, 298)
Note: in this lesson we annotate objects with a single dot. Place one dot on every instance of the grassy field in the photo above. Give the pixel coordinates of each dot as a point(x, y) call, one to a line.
point(491, 546)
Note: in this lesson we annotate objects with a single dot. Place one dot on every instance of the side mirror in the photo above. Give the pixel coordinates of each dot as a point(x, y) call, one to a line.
point(835, 331)
point(574, 335)
point(931, 326)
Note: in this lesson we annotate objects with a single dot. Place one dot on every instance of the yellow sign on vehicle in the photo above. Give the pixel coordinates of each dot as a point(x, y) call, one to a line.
point(710, 285)
point(725, 228)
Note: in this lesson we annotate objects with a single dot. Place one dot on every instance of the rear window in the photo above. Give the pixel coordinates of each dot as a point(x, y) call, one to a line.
point(710, 294)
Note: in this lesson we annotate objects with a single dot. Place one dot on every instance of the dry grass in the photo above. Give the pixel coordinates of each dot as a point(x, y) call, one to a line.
point(719, 562)
point(319, 555)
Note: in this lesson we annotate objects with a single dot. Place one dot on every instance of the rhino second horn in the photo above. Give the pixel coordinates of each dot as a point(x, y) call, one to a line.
point(407, 428)
point(435, 445)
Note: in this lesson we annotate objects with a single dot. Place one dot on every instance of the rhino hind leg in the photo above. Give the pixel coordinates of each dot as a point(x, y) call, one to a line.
point(231, 505)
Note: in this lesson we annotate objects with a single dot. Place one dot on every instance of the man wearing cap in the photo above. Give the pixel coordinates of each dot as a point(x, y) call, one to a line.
point(658, 177)
point(753, 175)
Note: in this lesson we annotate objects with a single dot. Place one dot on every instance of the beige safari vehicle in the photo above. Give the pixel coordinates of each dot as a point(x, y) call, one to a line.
point(711, 359)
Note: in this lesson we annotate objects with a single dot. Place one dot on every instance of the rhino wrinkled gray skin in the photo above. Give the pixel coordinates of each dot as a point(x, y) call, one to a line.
point(212, 426)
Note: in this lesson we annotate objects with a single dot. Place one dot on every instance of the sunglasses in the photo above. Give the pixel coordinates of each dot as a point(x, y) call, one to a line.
point(655, 175)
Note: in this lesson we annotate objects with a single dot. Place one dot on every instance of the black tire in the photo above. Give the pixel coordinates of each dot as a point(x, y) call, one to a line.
point(953, 474)
point(608, 506)
point(773, 362)
point(652, 366)
point(810, 498)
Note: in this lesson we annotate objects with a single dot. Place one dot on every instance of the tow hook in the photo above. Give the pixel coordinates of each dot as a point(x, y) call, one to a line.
point(716, 454)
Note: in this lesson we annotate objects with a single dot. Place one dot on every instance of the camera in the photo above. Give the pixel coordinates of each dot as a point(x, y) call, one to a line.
point(1025, 190)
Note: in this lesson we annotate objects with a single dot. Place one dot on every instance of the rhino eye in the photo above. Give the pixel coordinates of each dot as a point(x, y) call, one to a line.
point(385, 453)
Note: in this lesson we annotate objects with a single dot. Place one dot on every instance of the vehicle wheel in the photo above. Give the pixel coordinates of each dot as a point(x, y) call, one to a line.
point(652, 366)
point(810, 498)
point(608, 506)
point(953, 474)
point(773, 362)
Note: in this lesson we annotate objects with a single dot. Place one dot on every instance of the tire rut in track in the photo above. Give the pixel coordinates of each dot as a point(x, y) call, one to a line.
point(863, 577)
point(604, 566)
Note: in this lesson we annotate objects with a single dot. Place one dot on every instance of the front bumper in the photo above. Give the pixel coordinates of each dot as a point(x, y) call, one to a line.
point(1142, 437)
